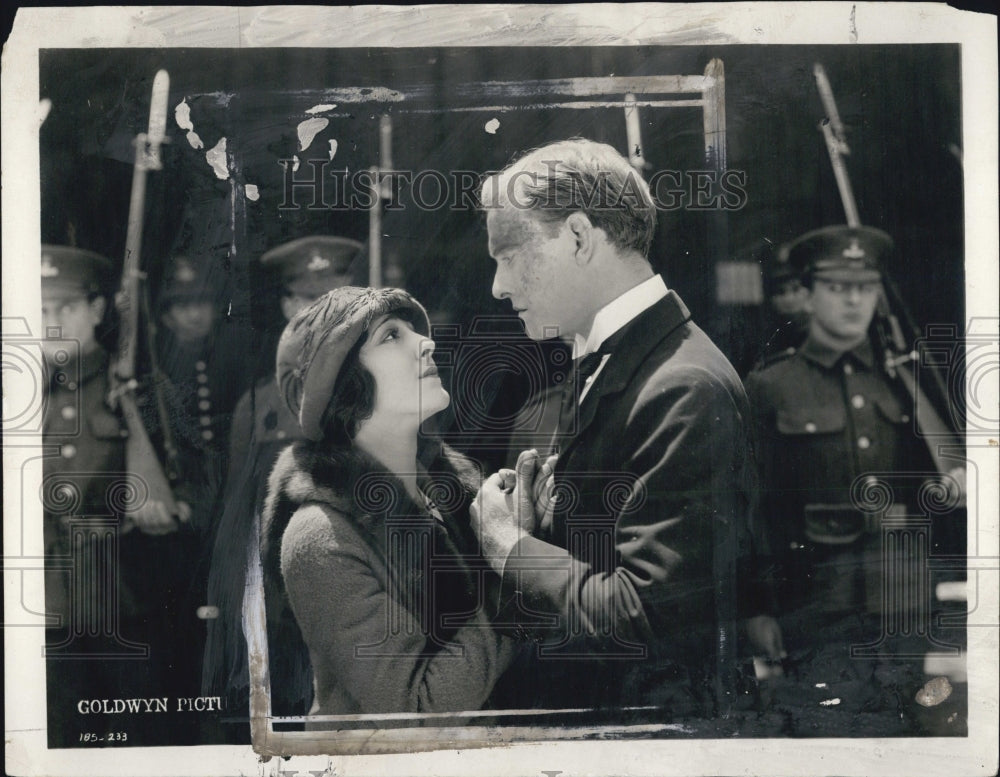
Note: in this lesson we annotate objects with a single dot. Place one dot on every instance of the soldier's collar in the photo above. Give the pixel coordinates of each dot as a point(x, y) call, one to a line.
point(826, 356)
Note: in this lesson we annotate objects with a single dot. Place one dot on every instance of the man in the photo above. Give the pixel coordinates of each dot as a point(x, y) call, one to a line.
point(304, 270)
point(829, 415)
point(200, 375)
point(300, 271)
point(88, 539)
point(189, 385)
point(89, 435)
point(631, 581)
point(787, 319)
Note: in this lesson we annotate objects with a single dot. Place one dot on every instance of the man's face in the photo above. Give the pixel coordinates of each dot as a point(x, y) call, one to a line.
point(76, 317)
point(789, 298)
point(536, 272)
point(190, 320)
point(843, 309)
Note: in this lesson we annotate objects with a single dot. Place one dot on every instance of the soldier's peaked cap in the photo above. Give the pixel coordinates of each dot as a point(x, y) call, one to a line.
point(313, 265)
point(189, 278)
point(842, 252)
point(68, 271)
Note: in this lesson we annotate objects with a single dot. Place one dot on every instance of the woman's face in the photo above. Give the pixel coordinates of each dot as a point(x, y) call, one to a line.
point(406, 380)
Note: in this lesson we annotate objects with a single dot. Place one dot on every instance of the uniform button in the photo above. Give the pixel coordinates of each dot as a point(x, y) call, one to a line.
point(810, 427)
point(71, 385)
point(199, 365)
point(207, 434)
point(848, 369)
point(205, 420)
point(204, 404)
point(904, 418)
point(68, 451)
point(203, 391)
point(202, 377)
point(69, 412)
point(864, 443)
point(858, 401)
point(282, 434)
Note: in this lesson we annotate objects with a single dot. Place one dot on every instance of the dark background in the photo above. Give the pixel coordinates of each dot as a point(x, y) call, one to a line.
point(901, 105)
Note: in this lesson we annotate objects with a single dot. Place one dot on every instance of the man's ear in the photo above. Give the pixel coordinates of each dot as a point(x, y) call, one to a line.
point(585, 234)
point(289, 307)
point(98, 305)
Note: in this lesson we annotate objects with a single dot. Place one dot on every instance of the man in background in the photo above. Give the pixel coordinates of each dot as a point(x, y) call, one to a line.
point(100, 642)
point(831, 419)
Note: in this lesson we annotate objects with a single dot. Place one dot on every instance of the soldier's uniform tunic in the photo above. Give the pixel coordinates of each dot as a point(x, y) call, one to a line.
point(824, 420)
point(91, 457)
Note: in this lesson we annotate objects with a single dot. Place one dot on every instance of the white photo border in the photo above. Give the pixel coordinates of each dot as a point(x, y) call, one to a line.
point(496, 26)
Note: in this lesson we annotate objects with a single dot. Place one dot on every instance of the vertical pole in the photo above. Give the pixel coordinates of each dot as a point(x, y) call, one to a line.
point(726, 540)
point(714, 111)
point(255, 629)
point(633, 134)
point(380, 268)
point(375, 233)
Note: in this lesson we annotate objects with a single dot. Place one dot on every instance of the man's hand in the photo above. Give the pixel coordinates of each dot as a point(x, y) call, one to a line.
point(542, 503)
point(504, 510)
point(154, 519)
point(765, 637)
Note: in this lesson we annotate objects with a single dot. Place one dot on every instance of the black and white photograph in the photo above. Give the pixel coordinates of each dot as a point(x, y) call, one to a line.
point(501, 389)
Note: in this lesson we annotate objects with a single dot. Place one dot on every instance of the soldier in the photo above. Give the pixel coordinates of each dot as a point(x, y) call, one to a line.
point(196, 375)
point(304, 269)
point(200, 367)
point(82, 517)
point(828, 414)
point(788, 321)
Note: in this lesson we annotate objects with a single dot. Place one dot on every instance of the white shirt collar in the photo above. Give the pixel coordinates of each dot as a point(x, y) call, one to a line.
point(619, 312)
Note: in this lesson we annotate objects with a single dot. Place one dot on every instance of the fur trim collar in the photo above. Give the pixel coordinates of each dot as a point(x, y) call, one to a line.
point(357, 485)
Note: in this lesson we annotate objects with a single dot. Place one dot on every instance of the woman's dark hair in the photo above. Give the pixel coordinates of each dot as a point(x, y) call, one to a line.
point(353, 399)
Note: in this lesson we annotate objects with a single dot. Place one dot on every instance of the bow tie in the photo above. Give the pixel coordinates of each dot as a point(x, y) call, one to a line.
point(583, 370)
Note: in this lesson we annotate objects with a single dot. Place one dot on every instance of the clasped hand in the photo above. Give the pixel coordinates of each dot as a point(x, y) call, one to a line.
point(154, 518)
point(512, 504)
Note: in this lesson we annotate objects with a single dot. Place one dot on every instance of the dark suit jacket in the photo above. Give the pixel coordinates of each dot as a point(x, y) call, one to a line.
point(632, 588)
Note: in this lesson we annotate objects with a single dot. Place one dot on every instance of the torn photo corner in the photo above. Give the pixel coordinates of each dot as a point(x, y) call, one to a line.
point(192, 586)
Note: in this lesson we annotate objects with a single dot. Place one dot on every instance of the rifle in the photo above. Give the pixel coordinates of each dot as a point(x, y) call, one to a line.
point(140, 455)
point(899, 357)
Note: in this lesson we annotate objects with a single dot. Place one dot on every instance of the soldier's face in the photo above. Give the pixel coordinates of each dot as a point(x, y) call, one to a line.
point(843, 310)
point(407, 386)
point(789, 298)
point(190, 320)
point(76, 319)
point(536, 272)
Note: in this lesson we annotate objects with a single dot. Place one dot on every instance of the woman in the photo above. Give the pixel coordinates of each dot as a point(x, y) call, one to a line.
point(365, 527)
